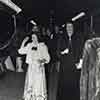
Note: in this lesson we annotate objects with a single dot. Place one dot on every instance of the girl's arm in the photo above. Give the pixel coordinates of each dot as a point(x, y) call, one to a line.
point(23, 49)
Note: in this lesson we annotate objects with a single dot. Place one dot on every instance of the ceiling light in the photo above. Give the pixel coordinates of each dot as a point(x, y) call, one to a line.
point(78, 16)
point(10, 4)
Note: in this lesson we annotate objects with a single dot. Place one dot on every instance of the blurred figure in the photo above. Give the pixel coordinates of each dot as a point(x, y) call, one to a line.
point(48, 32)
point(90, 72)
point(55, 45)
point(44, 34)
point(19, 63)
point(43, 31)
point(35, 29)
point(55, 64)
point(47, 40)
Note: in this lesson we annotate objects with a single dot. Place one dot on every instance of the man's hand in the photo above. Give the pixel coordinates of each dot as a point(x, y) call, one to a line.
point(79, 65)
point(66, 51)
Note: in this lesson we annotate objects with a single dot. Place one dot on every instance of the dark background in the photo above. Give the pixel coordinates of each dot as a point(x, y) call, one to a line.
point(62, 10)
point(42, 10)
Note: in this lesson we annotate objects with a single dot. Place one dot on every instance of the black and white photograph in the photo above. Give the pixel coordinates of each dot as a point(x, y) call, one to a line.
point(49, 50)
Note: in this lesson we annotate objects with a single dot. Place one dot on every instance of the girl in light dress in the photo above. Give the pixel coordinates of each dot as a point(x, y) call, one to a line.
point(36, 56)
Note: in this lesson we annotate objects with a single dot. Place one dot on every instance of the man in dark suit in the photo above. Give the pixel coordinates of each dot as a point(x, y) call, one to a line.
point(70, 50)
point(54, 67)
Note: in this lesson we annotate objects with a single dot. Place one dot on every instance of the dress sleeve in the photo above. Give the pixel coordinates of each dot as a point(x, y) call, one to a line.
point(45, 54)
point(23, 50)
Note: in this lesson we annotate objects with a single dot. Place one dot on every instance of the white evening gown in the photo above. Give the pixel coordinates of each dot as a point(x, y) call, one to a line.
point(35, 82)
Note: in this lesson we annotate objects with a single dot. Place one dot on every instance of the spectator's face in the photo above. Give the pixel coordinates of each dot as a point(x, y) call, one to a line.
point(43, 31)
point(48, 32)
point(56, 29)
point(35, 29)
point(70, 29)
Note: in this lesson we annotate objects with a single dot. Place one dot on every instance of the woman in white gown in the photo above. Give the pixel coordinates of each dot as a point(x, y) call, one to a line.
point(36, 56)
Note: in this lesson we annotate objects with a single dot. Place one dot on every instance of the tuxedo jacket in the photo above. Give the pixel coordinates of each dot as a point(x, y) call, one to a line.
point(77, 42)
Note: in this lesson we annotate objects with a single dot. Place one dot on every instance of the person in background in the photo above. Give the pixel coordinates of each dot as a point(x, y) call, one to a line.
point(55, 64)
point(44, 35)
point(70, 50)
point(43, 31)
point(47, 40)
point(36, 56)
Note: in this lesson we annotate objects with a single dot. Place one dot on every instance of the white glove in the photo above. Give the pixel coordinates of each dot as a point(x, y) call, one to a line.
point(66, 51)
point(79, 65)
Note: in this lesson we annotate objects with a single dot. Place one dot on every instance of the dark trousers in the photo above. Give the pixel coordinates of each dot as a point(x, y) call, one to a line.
point(47, 70)
point(53, 81)
point(68, 88)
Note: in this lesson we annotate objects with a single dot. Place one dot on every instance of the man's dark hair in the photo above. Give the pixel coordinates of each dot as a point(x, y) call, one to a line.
point(70, 22)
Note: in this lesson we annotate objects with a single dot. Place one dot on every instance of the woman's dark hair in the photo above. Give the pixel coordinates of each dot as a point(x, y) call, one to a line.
point(37, 34)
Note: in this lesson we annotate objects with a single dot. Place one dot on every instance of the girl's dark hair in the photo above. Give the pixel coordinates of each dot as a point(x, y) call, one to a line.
point(38, 34)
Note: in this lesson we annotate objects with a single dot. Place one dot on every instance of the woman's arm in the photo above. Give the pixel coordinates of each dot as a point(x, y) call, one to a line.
point(24, 41)
point(23, 49)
